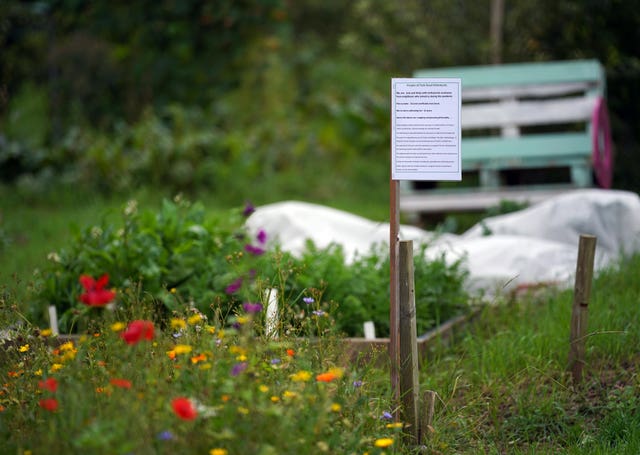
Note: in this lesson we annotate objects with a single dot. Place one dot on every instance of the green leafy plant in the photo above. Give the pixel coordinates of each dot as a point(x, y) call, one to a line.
point(175, 257)
point(179, 258)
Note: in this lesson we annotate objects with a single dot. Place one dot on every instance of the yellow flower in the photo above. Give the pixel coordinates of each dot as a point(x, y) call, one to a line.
point(301, 376)
point(46, 332)
point(24, 348)
point(68, 346)
point(275, 399)
point(194, 319)
point(177, 323)
point(56, 367)
point(205, 366)
point(383, 442)
point(218, 451)
point(182, 349)
point(395, 425)
point(242, 320)
point(117, 326)
point(241, 358)
point(211, 329)
point(173, 290)
point(335, 407)
point(263, 388)
point(237, 350)
point(38, 372)
point(289, 394)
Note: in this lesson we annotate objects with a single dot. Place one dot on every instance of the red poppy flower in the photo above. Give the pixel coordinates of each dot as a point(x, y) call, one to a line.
point(49, 404)
point(95, 294)
point(122, 383)
point(49, 384)
point(184, 408)
point(136, 331)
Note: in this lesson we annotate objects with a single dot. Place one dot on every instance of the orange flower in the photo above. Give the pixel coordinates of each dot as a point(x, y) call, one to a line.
point(326, 377)
point(291, 352)
point(331, 375)
point(198, 358)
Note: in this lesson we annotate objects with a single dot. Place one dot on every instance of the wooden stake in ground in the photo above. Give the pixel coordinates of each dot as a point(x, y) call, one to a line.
point(409, 385)
point(394, 238)
point(582, 291)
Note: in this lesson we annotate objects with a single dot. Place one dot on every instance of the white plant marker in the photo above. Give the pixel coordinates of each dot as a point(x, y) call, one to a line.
point(271, 320)
point(53, 320)
point(369, 330)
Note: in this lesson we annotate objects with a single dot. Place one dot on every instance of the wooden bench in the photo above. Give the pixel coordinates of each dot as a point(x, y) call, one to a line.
point(529, 131)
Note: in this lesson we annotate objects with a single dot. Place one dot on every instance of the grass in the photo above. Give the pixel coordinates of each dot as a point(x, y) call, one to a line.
point(502, 386)
point(505, 389)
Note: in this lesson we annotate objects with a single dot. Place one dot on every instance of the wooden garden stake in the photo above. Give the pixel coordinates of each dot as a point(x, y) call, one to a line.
point(429, 405)
point(394, 238)
point(409, 386)
point(582, 291)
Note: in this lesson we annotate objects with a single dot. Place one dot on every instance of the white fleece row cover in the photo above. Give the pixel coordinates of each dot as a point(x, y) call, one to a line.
point(533, 246)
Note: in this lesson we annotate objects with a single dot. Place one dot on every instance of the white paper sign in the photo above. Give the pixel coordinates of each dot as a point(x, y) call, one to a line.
point(425, 129)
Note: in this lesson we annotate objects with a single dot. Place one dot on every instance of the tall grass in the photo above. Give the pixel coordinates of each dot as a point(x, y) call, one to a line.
point(504, 387)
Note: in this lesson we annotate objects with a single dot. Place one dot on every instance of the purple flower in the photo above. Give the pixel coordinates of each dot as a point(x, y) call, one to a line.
point(318, 312)
point(261, 236)
point(308, 300)
point(238, 368)
point(255, 250)
point(165, 435)
point(252, 308)
point(386, 415)
point(357, 383)
point(248, 209)
point(234, 286)
point(275, 361)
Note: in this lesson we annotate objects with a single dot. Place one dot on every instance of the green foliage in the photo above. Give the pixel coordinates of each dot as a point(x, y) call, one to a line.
point(176, 257)
point(179, 257)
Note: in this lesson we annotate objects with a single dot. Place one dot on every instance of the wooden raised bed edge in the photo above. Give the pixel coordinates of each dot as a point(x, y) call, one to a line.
point(367, 350)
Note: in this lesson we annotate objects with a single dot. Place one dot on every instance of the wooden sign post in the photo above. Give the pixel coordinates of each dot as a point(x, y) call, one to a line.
point(425, 145)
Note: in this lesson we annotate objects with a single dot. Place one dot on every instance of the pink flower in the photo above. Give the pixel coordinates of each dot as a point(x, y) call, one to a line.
point(248, 209)
point(95, 294)
point(137, 331)
point(234, 286)
point(184, 408)
point(255, 250)
point(252, 308)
